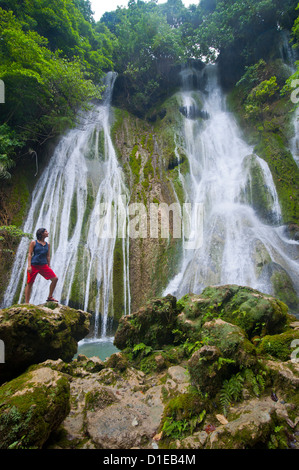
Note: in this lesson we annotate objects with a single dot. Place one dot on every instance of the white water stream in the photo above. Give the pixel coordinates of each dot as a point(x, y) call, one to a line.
point(84, 162)
point(241, 243)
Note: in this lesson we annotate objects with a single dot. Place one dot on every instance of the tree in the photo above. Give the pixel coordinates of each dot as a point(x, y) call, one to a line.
point(43, 90)
point(147, 48)
point(69, 28)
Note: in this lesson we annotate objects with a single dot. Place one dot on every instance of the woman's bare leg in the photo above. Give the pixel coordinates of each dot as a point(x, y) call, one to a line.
point(53, 285)
point(28, 290)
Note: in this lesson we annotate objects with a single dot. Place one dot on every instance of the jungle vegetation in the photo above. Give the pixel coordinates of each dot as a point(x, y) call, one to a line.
point(53, 55)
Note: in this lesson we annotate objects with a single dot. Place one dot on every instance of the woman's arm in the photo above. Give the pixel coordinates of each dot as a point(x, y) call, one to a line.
point(48, 255)
point(31, 247)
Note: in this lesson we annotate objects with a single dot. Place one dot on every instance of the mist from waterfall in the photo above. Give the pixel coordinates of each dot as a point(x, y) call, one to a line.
point(243, 241)
point(81, 178)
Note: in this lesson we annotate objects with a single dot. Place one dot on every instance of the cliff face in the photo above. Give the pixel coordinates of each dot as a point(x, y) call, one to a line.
point(150, 157)
point(150, 150)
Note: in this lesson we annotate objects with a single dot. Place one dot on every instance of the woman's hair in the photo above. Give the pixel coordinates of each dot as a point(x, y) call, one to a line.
point(39, 233)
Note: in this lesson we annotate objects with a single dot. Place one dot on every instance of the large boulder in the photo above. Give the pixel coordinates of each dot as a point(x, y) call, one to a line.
point(32, 334)
point(226, 350)
point(31, 407)
point(152, 325)
point(256, 313)
point(231, 341)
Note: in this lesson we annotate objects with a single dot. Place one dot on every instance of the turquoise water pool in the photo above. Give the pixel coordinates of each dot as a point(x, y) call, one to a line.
point(100, 347)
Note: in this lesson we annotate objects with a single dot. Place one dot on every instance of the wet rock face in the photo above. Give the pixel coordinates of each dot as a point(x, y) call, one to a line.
point(33, 334)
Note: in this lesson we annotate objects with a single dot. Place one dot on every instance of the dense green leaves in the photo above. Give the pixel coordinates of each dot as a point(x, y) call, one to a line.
point(41, 88)
point(8, 145)
point(291, 86)
point(52, 59)
point(53, 55)
point(149, 45)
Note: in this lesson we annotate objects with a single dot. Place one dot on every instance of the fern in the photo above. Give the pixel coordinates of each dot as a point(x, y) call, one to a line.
point(175, 429)
point(256, 382)
point(223, 360)
point(225, 397)
point(190, 348)
point(261, 381)
point(231, 390)
point(141, 347)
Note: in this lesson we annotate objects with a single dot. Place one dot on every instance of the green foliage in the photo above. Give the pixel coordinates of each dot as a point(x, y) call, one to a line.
point(258, 100)
point(142, 348)
point(278, 439)
point(265, 90)
point(231, 390)
point(190, 347)
point(8, 143)
point(183, 414)
point(52, 57)
point(239, 26)
point(256, 382)
point(68, 27)
point(175, 429)
point(252, 76)
point(9, 235)
point(293, 80)
point(147, 48)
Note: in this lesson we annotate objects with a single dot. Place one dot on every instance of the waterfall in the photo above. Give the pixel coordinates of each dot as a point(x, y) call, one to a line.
point(82, 183)
point(289, 56)
point(242, 240)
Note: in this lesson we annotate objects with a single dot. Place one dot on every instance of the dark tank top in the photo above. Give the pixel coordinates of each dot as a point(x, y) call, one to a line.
point(39, 254)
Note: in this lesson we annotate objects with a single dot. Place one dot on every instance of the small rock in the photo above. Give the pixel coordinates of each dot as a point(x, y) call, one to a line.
point(222, 419)
point(135, 422)
point(157, 437)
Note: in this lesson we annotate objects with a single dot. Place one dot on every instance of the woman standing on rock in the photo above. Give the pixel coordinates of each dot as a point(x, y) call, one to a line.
point(39, 263)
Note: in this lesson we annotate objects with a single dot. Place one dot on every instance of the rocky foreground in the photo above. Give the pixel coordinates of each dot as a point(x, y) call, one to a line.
point(209, 371)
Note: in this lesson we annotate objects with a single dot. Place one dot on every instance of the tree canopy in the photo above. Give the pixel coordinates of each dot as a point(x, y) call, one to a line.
point(53, 55)
point(52, 59)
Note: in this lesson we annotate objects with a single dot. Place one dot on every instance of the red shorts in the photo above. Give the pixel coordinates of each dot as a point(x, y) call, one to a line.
point(42, 269)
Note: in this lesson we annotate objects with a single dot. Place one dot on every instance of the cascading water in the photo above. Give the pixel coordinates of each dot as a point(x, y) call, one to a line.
point(82, 176)
point(242, 240)
point(289, 56)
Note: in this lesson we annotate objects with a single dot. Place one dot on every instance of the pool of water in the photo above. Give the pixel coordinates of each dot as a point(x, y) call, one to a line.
point(100, 347)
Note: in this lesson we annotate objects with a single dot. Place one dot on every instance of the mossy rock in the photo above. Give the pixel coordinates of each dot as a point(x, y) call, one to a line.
point(32, 334)
point(256, 313)
point(204, 372)
point(99, 399)
point(231, 341)
point(278, 346)
point(284, 289)
point(257, 193)
point(152, 325)
point(32, 406)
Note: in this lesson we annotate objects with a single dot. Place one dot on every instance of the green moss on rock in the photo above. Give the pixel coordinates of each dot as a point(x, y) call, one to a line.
point(32, 406)
point(254, 312)
point(278, 346)
point(152, 325)
point(33, 334)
